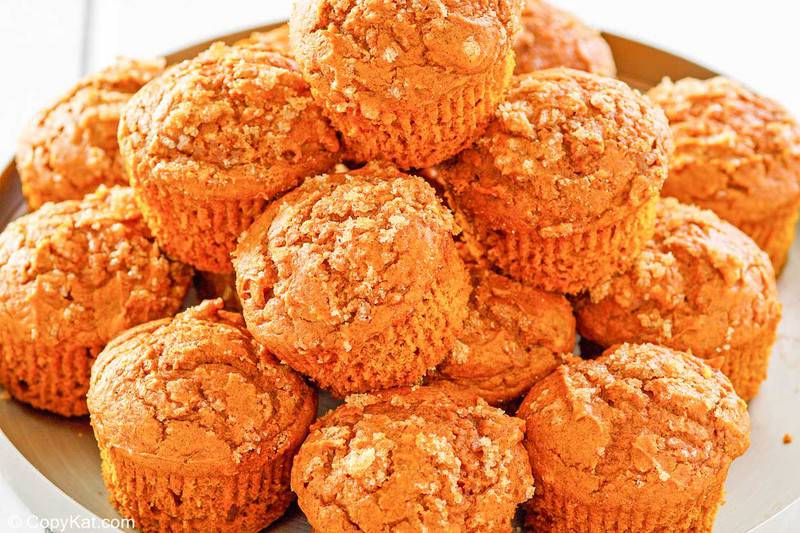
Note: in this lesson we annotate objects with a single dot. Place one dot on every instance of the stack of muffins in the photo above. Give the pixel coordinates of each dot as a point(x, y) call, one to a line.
point(414, 206)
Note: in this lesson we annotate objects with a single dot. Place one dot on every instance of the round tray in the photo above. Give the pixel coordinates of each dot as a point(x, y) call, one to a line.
point(54, 466)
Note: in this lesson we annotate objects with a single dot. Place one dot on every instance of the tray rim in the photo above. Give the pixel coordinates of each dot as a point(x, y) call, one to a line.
point(40, 495)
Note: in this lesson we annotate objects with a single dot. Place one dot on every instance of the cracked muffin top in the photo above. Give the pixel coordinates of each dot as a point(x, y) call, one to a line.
point(568, 151)
point(413, 460)
point(234, 122)
point(197, 392)
point(699, 285)
point(640, 422)
point(275, 40)
point(75, 274)
point(513, 336)
point(70, 149)
point(351, 271)
point(371, 54)
point(736, 152)
point(552, 37)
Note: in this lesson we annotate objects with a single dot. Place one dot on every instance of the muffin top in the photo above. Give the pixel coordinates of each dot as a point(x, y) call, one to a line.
point(275, 40)
point(368, 54)
point(234, 122)
point(552, 37)
point(342, 259)
point(197, 392)
point(513, 336)
point(568, 151)
point(75, 274)
point(414, 456)
point(70, 148)
point(699, 285)
point(641, 422)
point(736, 153)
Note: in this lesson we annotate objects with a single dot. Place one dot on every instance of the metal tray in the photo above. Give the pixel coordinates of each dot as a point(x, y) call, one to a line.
point(54, 466)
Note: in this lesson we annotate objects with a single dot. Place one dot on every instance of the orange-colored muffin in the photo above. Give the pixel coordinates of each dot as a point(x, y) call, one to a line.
point(74, 275)
point(197, 424)
point(638, 440)
point(354, 280)
point(70, 148)
point(275, 40)
point(736, 153)
point(514, 335)
point(409, 460)
point(700, 285)
point(411, 82)
point(210, 142)
point(561, 190)
point(552, 37)
point(210, 286)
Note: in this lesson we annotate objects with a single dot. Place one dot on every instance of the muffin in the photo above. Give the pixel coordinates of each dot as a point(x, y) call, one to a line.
point(639, 440)
point(700, 285)
point(275, 40)
point(406, 81)
point(514, 335)
point(552, 37)
point(560, 192)
point(353, 279)
point(210, 142)
point(210, 286)
point(736, 153)
point(197, 424)
point(74, 275)
point(412, 460)
point(70, 148)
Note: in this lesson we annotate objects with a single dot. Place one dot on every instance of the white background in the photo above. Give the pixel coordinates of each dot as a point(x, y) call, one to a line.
point(47, 44)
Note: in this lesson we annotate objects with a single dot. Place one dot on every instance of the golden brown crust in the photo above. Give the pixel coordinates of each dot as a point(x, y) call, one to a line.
point(206, 401)
point(275, 40)
point(736, 153)
point(73, 275)
point(225, 131)
point(412, 82)
point(354, 280)
point(569, 154)
point(513, 336)
point(643, 432)
point(412, 460)
point(552, 37)
point(70, 148)
point(700, 285)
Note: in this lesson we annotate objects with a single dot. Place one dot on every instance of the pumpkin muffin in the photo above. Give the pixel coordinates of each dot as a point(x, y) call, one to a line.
point(411, 82)
point(410, 460)
point(736, 153)
point(353, 279)
point(560, 192)
point(74, 275)
point(513, 336)
point(197, 424)
point(275, 40)
point(700, 285)
point(70, 148)
point(552, 37)
point(210, 286)
point(638, 440)
point(210, 142)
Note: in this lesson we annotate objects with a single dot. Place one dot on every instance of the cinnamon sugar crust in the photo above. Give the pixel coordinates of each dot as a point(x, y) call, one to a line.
point(552, 37)
point(73, 275)
point(70, 148)
point(412, 82)
point(413, 460)
point(354, 280)
point(642, 436)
